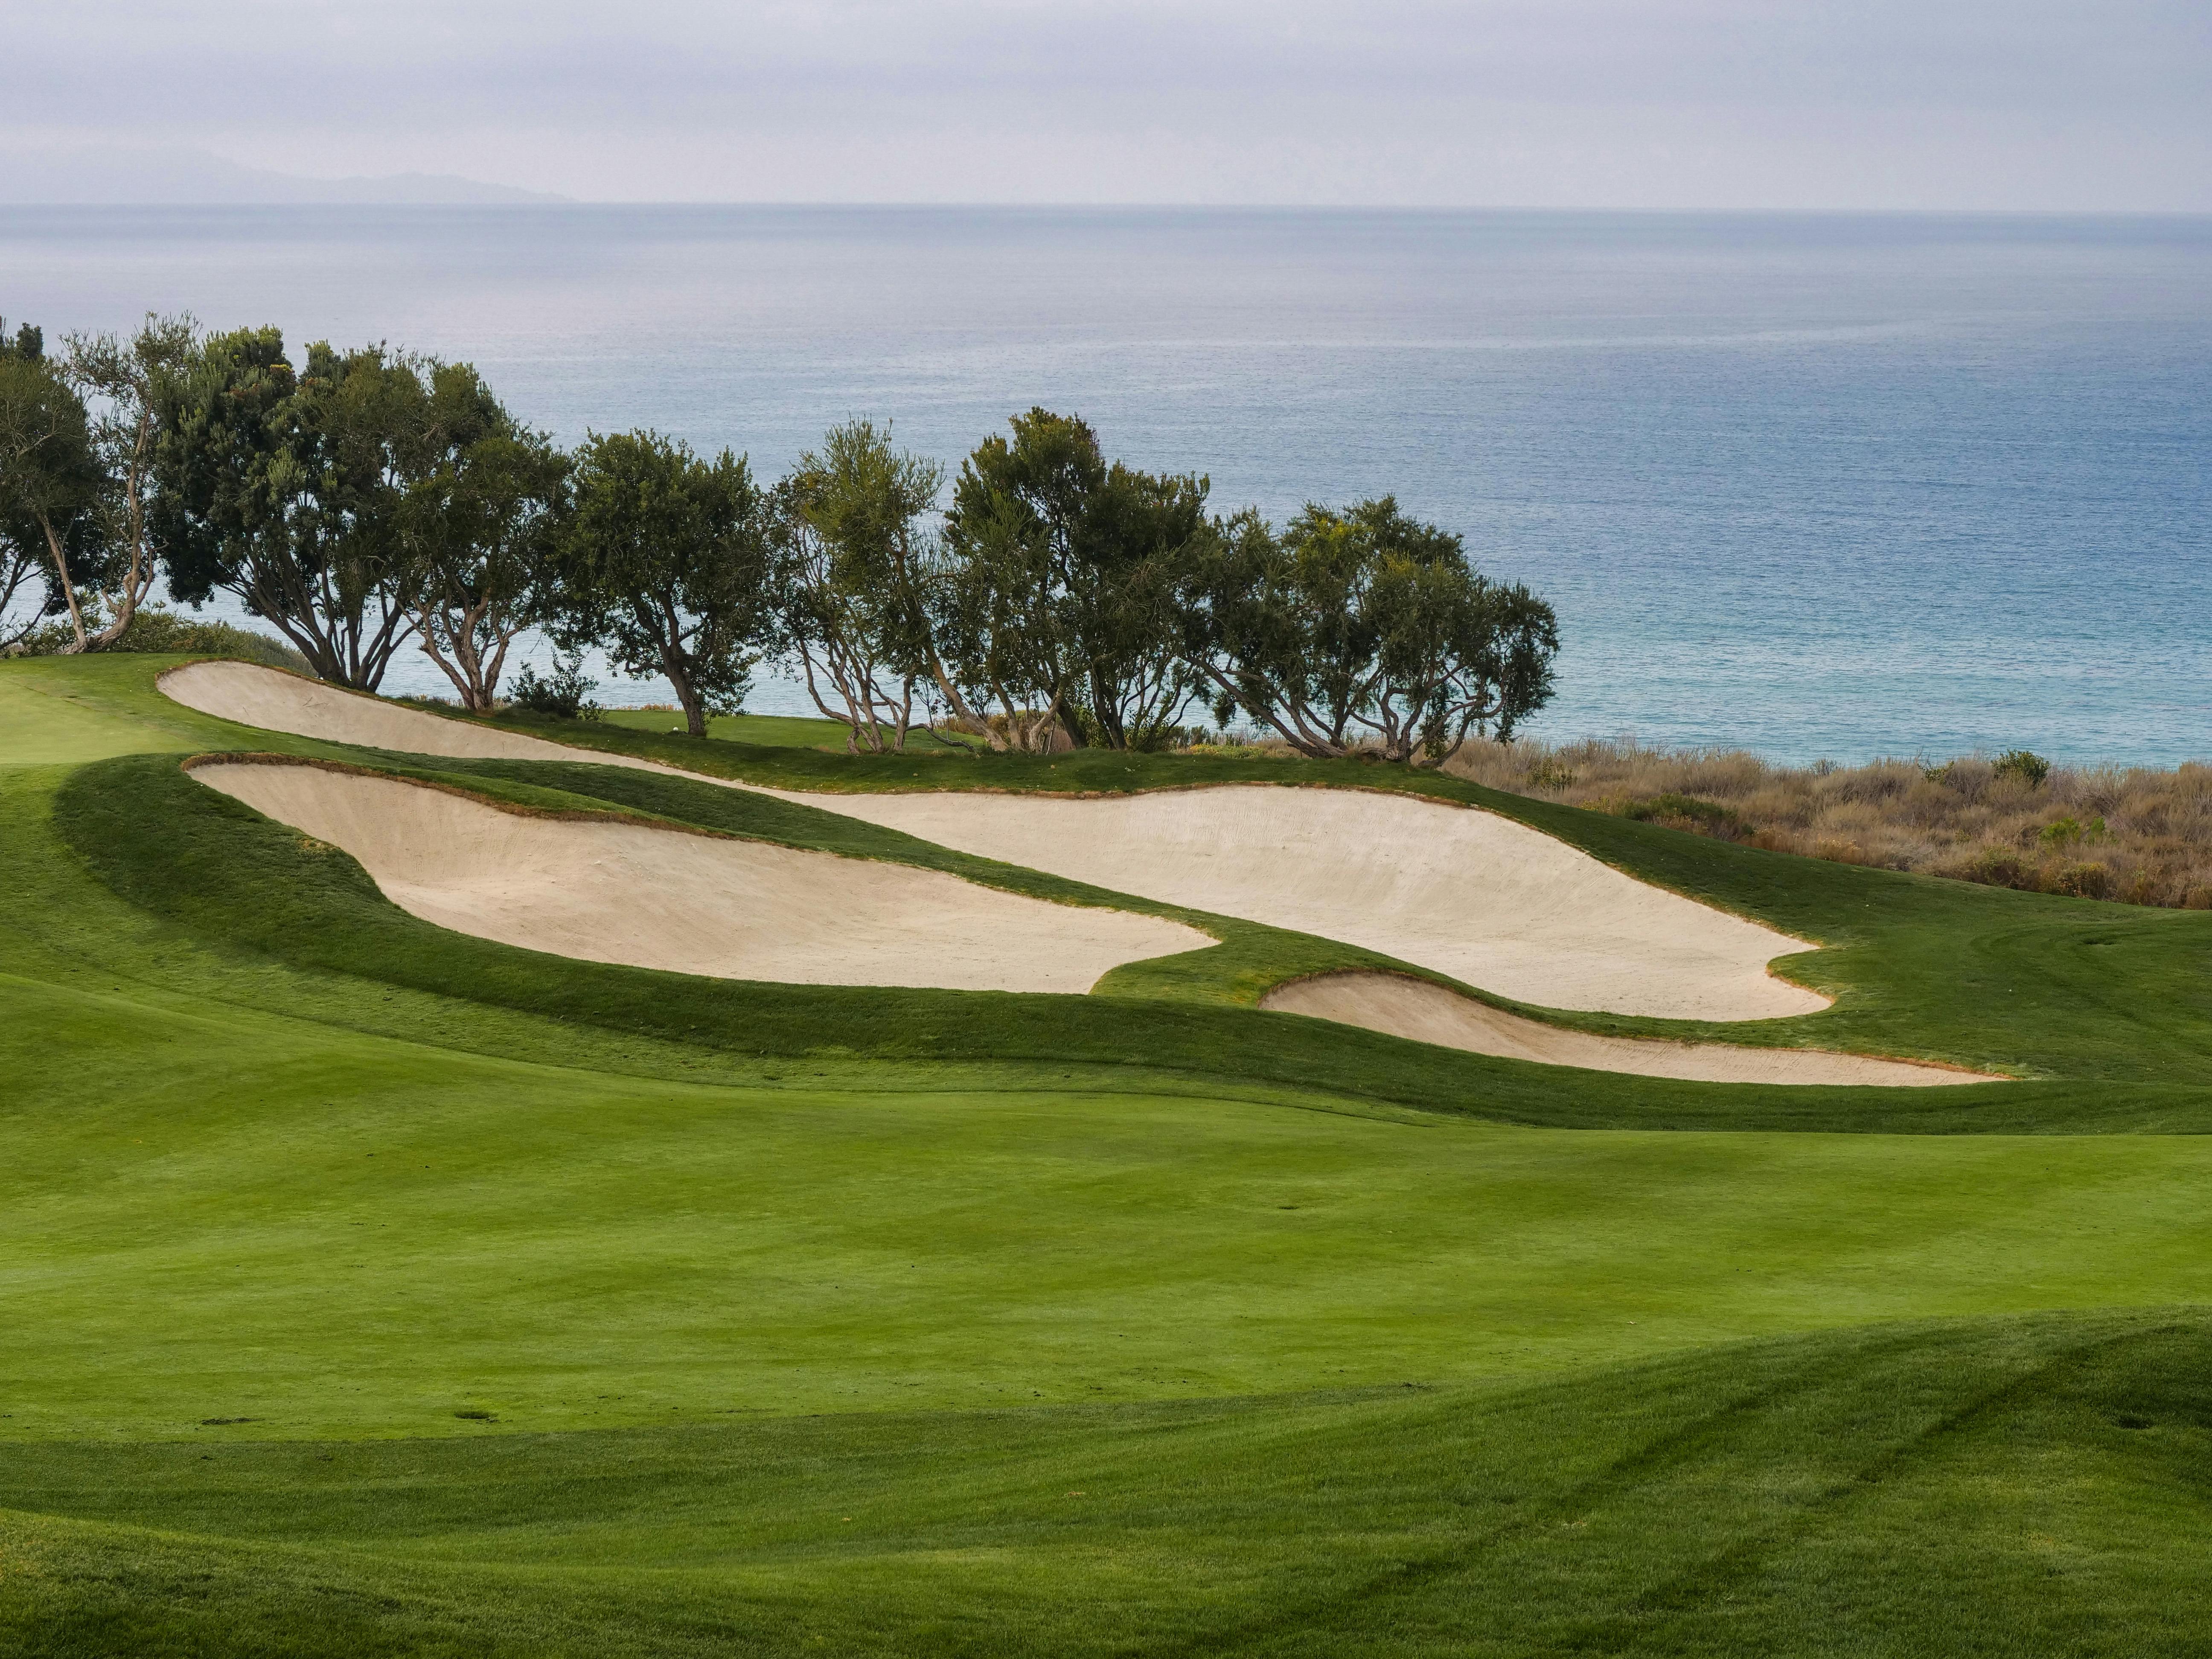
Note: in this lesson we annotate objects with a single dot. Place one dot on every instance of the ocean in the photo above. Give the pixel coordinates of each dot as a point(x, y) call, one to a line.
point(1815, 485)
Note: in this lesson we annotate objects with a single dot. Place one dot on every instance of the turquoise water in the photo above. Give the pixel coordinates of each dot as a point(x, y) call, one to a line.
point(1813, 484)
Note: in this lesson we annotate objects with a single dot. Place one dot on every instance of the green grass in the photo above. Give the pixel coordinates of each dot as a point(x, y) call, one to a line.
point(1999, 1488)
point(339, 1233)
point(74, 709)
point(802, 1319)
point(759, 731)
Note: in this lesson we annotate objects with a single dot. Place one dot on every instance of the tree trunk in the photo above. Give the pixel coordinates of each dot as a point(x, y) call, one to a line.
point(139, 581)
point(69, 588)
point(695, 710)
point(1106, 713)
point(905, 716)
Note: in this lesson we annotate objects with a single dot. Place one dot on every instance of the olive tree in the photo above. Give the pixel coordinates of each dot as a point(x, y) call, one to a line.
point(1144, 534)
point(666, 562)
point(483, 520)
point(288, 488)
point(123, 381)
point(1365, 627)
point(856, 567)
point(1058, 602)
point(52, 487)
point(24, 568)
point(27, 594)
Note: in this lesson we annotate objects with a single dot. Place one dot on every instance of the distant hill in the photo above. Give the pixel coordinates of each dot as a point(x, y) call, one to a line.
point(182, 177)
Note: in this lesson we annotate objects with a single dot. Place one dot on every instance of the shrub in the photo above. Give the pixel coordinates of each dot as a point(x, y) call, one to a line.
point(2150, 830)
point(1998, 866)
point(1025, 729)
point(1675, 811)
point(1153, 738)
point(2064, 832)
point(2030, 768)
point(1966, 778)
point(157, 629)
point(2093, 881)
point(565, 696)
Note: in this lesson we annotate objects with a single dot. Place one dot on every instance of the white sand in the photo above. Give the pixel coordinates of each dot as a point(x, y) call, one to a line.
point(1467, 893)
point(272, 700)
point(659, 898)
point(1430, 1013)
point(1470, 894)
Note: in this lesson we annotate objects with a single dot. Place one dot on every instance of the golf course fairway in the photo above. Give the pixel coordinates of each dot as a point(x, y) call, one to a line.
point(374, 1288)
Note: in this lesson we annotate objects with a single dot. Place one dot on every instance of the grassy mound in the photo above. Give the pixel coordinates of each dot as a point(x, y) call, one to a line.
point(2064, 990)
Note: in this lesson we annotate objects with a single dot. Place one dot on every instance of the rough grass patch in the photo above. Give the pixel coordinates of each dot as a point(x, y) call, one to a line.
point(2017, 820)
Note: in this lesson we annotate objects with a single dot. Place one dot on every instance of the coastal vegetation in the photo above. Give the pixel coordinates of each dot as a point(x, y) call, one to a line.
point(77, 437)
point(2136, 835)
point(361, 501)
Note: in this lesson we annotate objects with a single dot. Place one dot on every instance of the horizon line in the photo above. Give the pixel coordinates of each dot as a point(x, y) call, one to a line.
point(555, 203)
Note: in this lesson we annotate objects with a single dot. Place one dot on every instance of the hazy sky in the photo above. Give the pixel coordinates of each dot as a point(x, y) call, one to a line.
point(1618, 103)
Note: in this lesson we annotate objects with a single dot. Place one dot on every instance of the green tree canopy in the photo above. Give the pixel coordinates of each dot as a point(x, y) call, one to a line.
point(28, 592)
point(1364, 625)
point(483, 520)
point(125, 381)
point(855, 566)
point(52, 487)
point(666, 562)
point(1058, 603)
point(289, 489)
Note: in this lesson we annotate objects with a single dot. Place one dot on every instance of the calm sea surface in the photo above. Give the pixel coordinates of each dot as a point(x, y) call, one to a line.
point(1815, 485)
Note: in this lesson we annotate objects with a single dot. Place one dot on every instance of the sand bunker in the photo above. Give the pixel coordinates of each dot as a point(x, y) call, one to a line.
point(1471, 894)
point(271, 700)
point(660, 898)
point(1430, 1013)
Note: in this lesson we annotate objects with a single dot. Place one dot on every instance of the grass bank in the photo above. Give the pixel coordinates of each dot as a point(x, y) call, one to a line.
point(378, 1291)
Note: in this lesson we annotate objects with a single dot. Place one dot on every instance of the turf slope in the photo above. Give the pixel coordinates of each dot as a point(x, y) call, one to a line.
point(564, 1319)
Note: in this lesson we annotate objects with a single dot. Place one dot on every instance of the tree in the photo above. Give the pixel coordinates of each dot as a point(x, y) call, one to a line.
point(1142, 533)
point(288, 488)
point(484, 521)
point(26, 571)
point(666, 562)
point(1364, 626)
point(854, 571)
point(26, 596)
point(1058, 601)
point(221, 438)
point(52, 487)
point(126, 381)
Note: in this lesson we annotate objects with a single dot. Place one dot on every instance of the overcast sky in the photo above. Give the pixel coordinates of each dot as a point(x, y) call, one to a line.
point(1569, 103)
